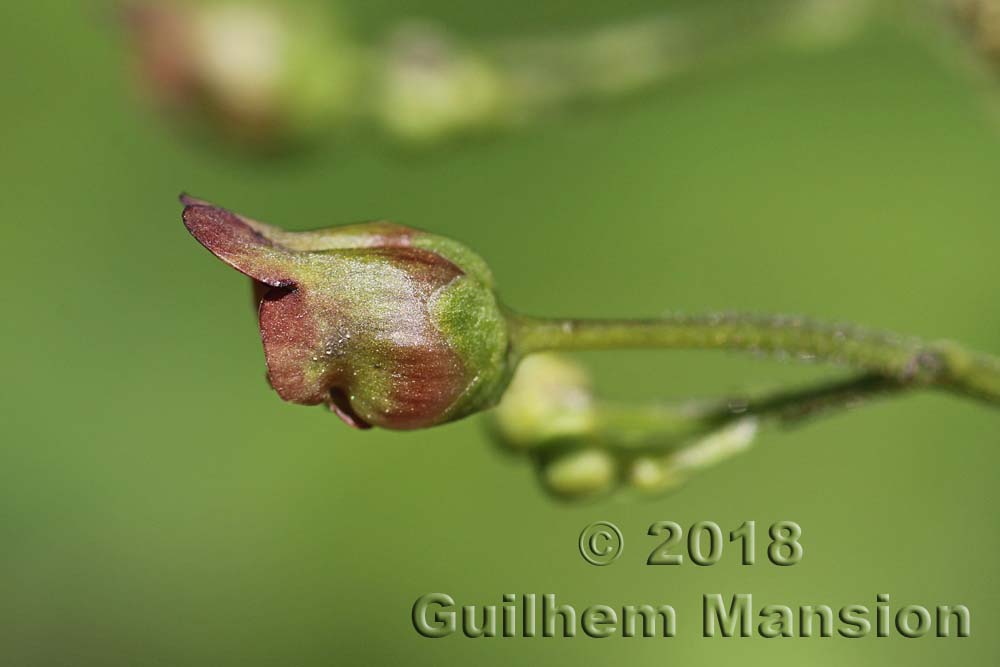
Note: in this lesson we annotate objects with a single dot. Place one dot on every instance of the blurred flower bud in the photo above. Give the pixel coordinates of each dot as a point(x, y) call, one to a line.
point(549, 399)
point(652, 474)
point(823, 24)
point(580, 474)
point(584, 446)
point(981, 22)
point(430, 88)
point(260, 73)
point(387, 325)
point(656, 474)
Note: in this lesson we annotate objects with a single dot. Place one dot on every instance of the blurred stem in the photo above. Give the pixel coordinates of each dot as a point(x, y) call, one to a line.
point(653, 428)
point(906, 362)
point(788, 407)
point(550, 71)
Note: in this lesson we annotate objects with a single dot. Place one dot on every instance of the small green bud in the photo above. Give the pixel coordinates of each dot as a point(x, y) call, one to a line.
point(580, 474)
point(648, 474)
point(549, 399)
point(652, 474)
point(387, 325)
point(822, 24)
point(429, 88)
point(584, 446)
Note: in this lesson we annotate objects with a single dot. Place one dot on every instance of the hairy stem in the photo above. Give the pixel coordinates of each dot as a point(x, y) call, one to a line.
point(906, 362)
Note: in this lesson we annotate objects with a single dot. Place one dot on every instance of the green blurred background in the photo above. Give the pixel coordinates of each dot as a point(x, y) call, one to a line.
point(159, 505)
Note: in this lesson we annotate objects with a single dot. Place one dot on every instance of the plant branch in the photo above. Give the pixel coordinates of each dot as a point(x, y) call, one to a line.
point(791, 407)
point(617, 59)
point(904, 362)
point(653, 447)
point(653, 428)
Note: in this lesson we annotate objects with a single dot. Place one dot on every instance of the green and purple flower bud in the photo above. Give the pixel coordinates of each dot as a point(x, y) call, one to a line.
point(387, 325)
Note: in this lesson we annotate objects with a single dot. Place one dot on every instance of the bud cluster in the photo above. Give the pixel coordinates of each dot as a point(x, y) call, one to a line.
point(585, 447)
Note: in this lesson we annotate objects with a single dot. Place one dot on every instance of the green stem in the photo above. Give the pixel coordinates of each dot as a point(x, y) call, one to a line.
point(546, 72)
point(908, 362)
point(788, 407)
point(651, 428)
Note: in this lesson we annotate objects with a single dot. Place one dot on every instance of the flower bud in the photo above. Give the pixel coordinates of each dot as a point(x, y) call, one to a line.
point(580, 474)
point(549, 399)
point(585, 447)
point(430, 88)
point(980, 21)
point(823, 24)
point(658, 474)
point(258, 73)
point(387, 325)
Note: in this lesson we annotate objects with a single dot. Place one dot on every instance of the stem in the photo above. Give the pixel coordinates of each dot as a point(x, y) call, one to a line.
point(551, 71)
point(788, 407)
point(658, 447)
point(907, 362)
point(625, 427)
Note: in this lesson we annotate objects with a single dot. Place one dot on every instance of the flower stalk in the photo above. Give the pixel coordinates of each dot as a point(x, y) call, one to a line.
point(585, 446)
point(907, 362)
point(648, 428)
